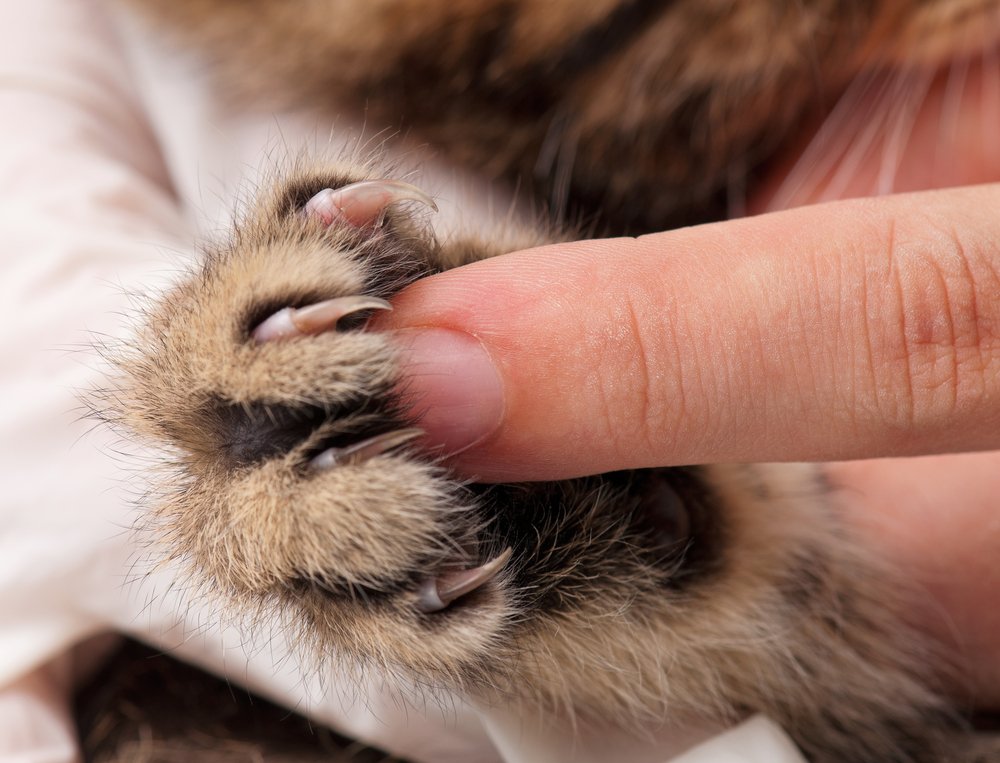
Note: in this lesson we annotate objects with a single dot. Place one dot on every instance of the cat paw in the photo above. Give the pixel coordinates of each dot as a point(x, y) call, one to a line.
point(293, 473)
point(293, 487)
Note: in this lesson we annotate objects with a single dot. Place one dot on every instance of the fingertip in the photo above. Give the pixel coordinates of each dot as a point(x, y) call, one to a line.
point(451, 386)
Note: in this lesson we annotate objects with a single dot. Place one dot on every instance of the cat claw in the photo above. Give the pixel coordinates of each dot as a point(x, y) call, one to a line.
point(314, 319)
point(438, 592)
point(360, 452)
point(363, 204)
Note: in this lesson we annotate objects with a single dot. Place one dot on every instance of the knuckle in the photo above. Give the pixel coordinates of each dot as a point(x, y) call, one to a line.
point(943, 325)
point(632, 390)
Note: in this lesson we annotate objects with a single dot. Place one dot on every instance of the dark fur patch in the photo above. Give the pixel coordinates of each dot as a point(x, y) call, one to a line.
point(250, 434)
point(532, 89)
point(145, 705)
point(702, 553)
point(561, 543)
point(807, 579)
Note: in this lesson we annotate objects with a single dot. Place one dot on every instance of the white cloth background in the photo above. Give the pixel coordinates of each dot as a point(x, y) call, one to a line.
point(113, 154)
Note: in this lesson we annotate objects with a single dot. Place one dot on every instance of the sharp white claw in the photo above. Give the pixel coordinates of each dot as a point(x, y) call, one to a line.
point(293, 322)
point(439, 592)
point(360, 452)
point(363, 204)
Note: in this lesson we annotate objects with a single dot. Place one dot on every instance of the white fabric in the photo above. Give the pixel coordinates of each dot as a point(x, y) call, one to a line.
point(35, 723)
point(112, 155)
point(757, 740)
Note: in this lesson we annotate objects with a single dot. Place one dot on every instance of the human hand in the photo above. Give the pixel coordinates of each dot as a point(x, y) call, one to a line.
point(853, 329)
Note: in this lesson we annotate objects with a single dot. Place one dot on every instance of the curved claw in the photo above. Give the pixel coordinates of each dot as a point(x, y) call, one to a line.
point(314, 319)
point(360, 452)
point(362, 204)
point(438, 592)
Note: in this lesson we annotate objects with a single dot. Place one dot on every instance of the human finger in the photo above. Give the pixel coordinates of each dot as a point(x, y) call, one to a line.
point(845, 330)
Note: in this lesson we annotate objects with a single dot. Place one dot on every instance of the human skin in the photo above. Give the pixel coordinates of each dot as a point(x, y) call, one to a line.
point(852, 329)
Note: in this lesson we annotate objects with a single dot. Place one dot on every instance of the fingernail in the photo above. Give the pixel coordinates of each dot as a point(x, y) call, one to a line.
point(453, 387)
